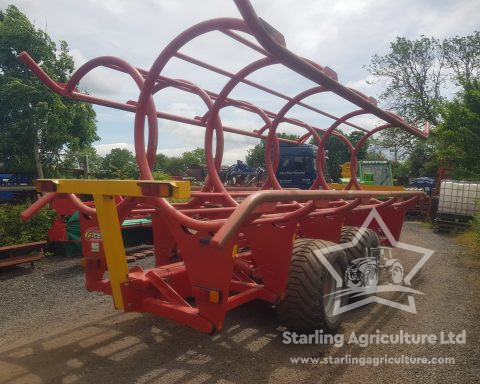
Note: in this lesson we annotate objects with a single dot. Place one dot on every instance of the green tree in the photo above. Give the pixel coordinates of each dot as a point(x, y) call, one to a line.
point(421, 161)
point(374, 150)
point(354, 137)
point(178, 165)
point(397, 142)
point(194, 158)
point(119, 164)
point(255, 157)
point(412, 72)
point(160, 162)
point(337, 153)
point(76, 160)
point(37, 125)
point(457, 137)
point(175, 166)
point(417, 76)
point(462, 54)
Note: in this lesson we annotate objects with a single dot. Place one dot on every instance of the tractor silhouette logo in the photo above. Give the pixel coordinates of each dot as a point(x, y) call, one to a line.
point(369, 270)
point(377, 272)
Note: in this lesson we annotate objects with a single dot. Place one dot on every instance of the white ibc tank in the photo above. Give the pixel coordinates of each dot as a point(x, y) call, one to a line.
point(459, 197)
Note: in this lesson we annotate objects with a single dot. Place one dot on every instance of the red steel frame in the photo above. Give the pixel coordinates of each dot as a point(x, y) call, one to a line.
point(215, 252)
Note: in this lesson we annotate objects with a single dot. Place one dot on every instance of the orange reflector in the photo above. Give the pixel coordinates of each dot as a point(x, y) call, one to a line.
point(214, 296)
point(211, 295)
point(234, 251)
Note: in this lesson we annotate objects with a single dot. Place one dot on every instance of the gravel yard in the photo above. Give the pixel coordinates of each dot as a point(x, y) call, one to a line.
point(53, 331)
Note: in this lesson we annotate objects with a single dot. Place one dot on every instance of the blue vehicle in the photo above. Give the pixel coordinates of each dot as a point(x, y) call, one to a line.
point(425, 183)
point(240, 174)
point(297, 167)
point(10, 184)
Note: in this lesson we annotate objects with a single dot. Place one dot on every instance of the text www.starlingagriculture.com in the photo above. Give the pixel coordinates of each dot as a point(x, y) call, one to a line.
point(373, 361)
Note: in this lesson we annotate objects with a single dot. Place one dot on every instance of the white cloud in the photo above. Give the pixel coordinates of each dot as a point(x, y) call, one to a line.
point(174, 151)
point(105, 149)
point(231, 155)
point(117, 7)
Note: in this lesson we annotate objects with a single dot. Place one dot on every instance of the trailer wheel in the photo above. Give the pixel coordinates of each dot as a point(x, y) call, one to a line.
point(369, 239)
point(309, 303)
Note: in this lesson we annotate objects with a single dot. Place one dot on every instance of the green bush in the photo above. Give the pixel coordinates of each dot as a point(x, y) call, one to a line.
point(476, 226)
point(159, 175)
point(15, 231)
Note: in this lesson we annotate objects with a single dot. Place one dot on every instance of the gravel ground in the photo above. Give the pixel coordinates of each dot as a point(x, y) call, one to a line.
point(53, 331)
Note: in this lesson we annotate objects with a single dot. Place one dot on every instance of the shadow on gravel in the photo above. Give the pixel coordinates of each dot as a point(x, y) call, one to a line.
point(139, 348)
point(383, 315)
point(11, 272)
point(136, 348)
point(65, 273)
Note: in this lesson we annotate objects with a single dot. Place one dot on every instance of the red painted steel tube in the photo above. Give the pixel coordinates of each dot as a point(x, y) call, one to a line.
point(183, 315)
point(259, 86)
point(244, 297)
point(325, 137)
point(231, 84)
point(246, 208)
point(68, 91)
point(311, 72)
point(320, 180)
point(353, 160)
point(216, 126)
point(151, 78)
point(97, 62)
point(137, 77)
point(37, 205)
point(311, 211)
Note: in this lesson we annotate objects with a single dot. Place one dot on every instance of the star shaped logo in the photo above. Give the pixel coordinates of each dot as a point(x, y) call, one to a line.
point(372, 290)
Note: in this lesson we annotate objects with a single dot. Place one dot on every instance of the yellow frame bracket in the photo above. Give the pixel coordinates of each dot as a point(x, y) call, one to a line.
point(112, 245)
point(178, 189)
point(103, 192)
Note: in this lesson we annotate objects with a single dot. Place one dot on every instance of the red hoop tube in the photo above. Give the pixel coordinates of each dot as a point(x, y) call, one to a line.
point(37, 205)
point(222, 97)
point(353, 159)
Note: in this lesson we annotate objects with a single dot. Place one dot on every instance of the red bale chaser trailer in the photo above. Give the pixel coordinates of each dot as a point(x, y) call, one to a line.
point(224, 247)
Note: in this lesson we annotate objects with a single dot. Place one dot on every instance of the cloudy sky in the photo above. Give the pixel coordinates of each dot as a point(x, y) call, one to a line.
point(342, 35)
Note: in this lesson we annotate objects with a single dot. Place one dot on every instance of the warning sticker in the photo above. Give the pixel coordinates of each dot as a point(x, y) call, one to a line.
point(95, 247)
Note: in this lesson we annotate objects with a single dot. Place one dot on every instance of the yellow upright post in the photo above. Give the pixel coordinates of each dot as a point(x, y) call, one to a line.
point(112, 245)
point(103, 192)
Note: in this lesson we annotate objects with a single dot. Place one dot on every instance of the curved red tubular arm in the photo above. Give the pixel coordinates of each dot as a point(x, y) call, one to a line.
point(312, 72)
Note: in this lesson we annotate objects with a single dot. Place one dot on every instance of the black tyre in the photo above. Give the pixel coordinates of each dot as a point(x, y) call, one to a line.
point(309, 299)
point(369, 239)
